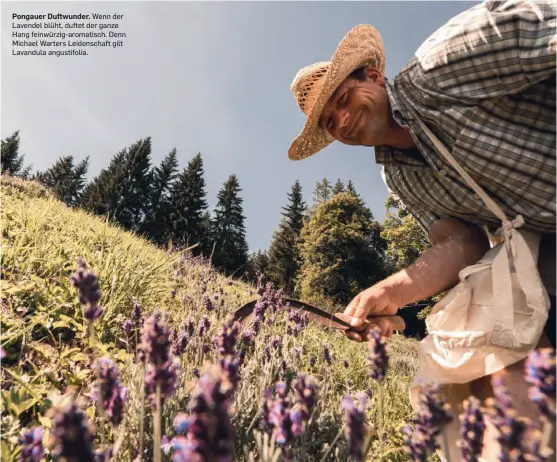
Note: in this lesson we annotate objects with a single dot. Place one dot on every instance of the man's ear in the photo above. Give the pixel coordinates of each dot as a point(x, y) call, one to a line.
point(375, 75)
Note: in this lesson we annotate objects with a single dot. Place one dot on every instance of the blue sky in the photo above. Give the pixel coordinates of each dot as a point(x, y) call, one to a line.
point(208, 77)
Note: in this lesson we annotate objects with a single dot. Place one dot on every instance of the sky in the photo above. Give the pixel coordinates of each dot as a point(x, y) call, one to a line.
point(205, 77)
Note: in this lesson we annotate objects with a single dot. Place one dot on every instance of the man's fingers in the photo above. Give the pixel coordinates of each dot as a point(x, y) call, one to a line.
point(351, 308)
point(353, 335)
point(360, 314)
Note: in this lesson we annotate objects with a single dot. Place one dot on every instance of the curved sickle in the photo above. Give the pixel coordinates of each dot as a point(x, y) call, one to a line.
point(322, 317)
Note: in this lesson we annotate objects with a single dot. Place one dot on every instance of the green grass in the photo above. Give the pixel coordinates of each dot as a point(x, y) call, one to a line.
point(44, 336)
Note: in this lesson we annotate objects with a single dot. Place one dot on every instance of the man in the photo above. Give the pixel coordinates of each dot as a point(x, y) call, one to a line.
point(484, 84)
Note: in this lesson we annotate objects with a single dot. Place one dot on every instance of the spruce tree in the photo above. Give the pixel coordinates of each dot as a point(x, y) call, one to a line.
point(65, 179)
point(157, 224)
point(122, 190)
point(341, 251)
point(188, 206)
point(322, 191)
point(10, 159)
point(283, 252)
point(338, 188)
point(228, 230)
point(350, 187)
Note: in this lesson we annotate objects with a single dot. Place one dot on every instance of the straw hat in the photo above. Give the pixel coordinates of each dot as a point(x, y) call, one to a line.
point(313, 85)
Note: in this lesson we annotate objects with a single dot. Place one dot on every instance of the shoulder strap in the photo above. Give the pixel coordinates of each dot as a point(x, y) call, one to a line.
point(490, 204)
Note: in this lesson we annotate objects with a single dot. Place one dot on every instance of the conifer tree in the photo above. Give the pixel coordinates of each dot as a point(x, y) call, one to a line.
point(338, 187)
point(188, 207)
point(10, 159)
point(350, 188)
point(258, 263)
point(322, 191)
point(156, 224)
point(65, 179)
point(228, 230)
point(283, 252)
point(122, 190)
point(341, 251)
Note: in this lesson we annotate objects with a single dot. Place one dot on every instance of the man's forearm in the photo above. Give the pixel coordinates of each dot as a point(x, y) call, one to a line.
point(435, 270)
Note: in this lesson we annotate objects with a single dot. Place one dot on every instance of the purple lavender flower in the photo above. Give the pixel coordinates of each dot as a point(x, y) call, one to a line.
point(345, 363)
point(296, 351)
point(299, 319)
point(378, 356)
point(354, 431)
point(87, 284)
point(247, 338)
point(228, 335)
point(161, 370)
point(276, 342)
point(540, 372)
point(209, 432)
point(189, 326)
point(432, 415)
point(279, 415)
point(109, 389)
point(2, 353)
point(305, 391)
point(179, 342)
point(32, 442)
point(327, 354)
point(71, 434)
point(513, 430)
point(195, 372)
point(472, 430)
point(312, 360)
point(203, 326)
point(127, 326)
point(207, 303)
point(267, 353)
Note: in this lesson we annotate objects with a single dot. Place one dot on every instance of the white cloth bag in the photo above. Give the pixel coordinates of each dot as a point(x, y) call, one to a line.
point(491, 319)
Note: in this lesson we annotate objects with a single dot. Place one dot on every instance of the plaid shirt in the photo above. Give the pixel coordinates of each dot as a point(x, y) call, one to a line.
point(484, 83)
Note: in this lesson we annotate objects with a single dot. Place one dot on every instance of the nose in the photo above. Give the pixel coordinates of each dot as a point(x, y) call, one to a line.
point(341, 121)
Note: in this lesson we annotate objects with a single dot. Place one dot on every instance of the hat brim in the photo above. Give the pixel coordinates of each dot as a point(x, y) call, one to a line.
point(361, 46)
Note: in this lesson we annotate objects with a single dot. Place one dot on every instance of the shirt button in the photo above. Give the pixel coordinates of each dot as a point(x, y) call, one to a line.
point(477, 197)
point(442, 172)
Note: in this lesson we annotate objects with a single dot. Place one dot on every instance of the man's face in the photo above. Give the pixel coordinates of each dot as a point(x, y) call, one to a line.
point(358, 112)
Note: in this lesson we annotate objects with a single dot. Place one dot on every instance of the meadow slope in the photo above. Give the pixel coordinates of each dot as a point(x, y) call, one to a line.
point(47, 348)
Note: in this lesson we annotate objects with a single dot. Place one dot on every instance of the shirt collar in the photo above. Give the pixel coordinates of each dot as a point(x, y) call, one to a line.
point(387, 155)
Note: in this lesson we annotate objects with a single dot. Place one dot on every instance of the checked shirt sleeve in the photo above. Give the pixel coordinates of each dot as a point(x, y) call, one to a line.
point(491, 50)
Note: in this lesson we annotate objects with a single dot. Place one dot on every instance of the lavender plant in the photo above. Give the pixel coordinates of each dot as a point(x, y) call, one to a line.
point(108, 391)
point(71, 433)
point(379, 363)
point(206, 435)
point(518, 440)
point(472, 429)
point(354, 430)
point(87, 284)
point(432, 415)
point(32, 445)
point(161, 370)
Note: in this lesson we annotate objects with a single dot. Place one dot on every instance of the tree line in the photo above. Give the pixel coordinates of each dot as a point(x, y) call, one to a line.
point(325, 252)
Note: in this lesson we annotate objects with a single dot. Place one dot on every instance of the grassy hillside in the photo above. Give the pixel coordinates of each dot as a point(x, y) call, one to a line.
point(47, 348)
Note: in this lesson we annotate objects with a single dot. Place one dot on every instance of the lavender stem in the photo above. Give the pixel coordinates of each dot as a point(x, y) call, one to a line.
point(142, 418)
point(381, 415)
point(447, 451)
point(546, 436)
point(157, 425)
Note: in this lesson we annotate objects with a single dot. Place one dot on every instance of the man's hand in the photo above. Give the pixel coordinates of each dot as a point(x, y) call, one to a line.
point(374, 301)
point(455, 245)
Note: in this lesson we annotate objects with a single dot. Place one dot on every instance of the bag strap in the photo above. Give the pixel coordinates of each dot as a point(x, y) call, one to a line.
point(490, 204)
